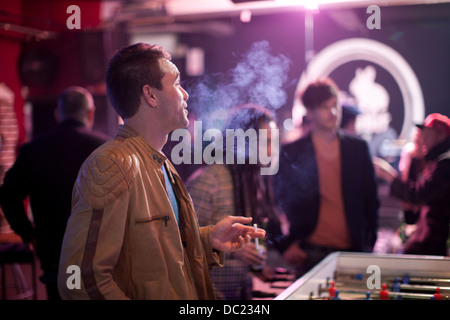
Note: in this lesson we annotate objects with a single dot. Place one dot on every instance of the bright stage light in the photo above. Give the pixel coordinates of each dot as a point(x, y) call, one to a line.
point(312, 4)
point(246, 16)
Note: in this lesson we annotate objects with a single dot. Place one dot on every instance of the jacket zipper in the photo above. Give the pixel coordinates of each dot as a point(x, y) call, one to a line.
point(165, 218)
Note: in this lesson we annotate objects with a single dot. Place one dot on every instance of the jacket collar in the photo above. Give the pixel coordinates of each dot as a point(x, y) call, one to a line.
point(158, 158)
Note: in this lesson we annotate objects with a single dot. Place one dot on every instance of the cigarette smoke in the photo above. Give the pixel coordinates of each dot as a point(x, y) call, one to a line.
point(259, 78)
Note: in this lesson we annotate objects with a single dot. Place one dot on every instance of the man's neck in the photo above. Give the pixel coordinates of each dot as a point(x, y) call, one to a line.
point(325, 135)
point(151, 133)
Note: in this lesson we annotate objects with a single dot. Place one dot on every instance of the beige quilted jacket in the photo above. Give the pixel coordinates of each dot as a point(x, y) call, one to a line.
point(123, 234)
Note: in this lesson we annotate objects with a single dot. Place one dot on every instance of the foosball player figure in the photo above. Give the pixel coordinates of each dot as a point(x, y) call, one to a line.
point(336, 295)
point(406, 279)
point(332, 290)
point(396, 285)
point(437, 295)
point(384, 295)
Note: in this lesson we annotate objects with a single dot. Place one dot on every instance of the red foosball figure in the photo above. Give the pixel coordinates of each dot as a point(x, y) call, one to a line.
point(438, 295)
point(332, 290)
point(383, 293)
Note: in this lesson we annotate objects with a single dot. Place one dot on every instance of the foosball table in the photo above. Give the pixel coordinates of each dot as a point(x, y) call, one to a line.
point(360, 276)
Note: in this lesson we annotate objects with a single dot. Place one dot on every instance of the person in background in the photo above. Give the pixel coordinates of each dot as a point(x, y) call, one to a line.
point(430, 191)
point(219, 190)
point(133, 232)
point(45, 171)
point(348, 121)
point(410, 168)
point(326, 186)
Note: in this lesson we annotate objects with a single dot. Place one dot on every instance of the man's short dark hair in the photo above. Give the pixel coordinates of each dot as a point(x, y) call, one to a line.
point(129, 70)
point(318, 92)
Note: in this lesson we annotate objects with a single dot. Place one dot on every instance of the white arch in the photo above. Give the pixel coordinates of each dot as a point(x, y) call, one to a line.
point(341, 52)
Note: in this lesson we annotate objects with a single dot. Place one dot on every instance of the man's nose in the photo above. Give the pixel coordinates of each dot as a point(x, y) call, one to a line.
point(185, 94)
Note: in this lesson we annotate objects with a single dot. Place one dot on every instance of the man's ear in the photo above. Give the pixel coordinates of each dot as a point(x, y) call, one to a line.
point(149, 95)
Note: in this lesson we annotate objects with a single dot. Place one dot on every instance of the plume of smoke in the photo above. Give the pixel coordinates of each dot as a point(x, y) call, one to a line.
point(258, 77)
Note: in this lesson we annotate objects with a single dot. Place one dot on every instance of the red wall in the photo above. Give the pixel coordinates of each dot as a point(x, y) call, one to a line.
point(37, 14)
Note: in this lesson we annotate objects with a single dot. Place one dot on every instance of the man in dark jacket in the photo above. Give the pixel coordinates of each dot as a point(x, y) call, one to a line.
point(326, 186)
point(431, 191)
point(45, 171)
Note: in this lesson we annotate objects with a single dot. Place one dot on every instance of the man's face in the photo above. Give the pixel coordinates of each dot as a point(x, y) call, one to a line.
point(172, 98)
point(326, 116)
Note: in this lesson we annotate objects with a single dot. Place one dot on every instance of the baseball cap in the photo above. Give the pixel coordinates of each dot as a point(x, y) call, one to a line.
point(436, 121)
point(350, 110)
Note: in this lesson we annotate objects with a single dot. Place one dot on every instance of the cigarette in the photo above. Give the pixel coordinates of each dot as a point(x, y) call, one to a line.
point(256, 239)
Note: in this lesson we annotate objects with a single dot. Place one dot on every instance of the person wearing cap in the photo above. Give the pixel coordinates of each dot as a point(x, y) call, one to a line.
point(431, 191)
point(348, 120)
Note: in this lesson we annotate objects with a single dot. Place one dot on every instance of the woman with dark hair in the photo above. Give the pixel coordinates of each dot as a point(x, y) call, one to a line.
point(219, 190)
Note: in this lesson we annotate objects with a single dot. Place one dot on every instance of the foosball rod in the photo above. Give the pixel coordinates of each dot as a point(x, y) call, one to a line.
point(401, 286)
point(375, 294)
point(414, 279)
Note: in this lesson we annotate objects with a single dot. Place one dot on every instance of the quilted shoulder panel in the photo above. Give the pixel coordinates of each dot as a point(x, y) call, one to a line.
point(106, 175)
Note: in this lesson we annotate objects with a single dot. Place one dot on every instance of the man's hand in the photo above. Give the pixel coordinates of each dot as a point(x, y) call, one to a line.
point(250, 255)
point(230, 233)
